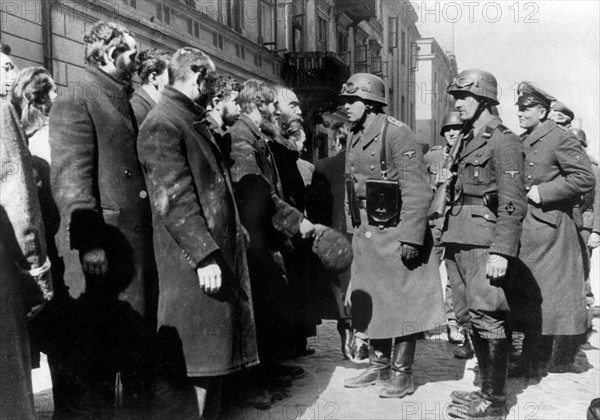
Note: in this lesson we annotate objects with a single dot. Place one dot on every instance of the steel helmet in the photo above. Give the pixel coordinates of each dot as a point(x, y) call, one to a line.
point(477, 82)
point(580, 134)
point(365, 86)
point(452, 118)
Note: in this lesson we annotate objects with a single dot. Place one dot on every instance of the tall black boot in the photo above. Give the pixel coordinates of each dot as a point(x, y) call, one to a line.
point(378, 372)
point(401, 381)
point(465, 397)
point(528, 361)
point(492, 405)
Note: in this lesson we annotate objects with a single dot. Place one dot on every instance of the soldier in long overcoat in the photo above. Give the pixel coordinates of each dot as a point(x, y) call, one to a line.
point(481, 235)
point(197, 226)
point(396, 285)
point(558, 172)
point(106, 222)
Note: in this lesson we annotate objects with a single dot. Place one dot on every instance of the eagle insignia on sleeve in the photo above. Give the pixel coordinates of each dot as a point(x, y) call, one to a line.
point(410, 153)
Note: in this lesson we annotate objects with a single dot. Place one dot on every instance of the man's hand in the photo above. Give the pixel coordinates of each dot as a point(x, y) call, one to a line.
point(35, 310)
point(307, 229)
point(594, 240)
point(409, 252)
point(209, 276)
point(442, 175)
point(534, 195)
point(93, 261)
point(496, 267)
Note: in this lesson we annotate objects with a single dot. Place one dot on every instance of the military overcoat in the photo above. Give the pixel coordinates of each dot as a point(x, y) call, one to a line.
point(391, 298)
point(195, 216)
point(551, 251)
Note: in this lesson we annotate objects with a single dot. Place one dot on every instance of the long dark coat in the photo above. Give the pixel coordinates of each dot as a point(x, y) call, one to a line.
point(271, 222)
point(325, 205)
point(551, 252)
point(22, 244)
point(389, 298)
point(195, 216)
point(100, 191)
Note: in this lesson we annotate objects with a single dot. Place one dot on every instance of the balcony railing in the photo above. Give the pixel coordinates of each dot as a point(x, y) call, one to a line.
point(357, 10)
point(311, 70)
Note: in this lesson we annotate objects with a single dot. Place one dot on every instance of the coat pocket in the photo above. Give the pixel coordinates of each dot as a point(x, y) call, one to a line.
point(478, 170)
point(111, 215)
point(550, 217)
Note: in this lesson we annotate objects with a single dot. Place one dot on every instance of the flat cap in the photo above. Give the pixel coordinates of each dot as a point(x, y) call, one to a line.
point(558, 106)
point(332, 248)
point(530, 94)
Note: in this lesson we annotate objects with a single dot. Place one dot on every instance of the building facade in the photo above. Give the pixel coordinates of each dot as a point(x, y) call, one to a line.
point(435, 71)
point(312, 46)
point(235, 33)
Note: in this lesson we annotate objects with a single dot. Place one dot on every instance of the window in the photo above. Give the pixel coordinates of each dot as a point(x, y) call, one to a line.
point(403, 48)
point(197, 30)
point(267, 21)
point(131, 3)
point(163, 13)
point(190, 26)
point(322, 29)
point(218, 40)
point(403, 109)
point(392, 33)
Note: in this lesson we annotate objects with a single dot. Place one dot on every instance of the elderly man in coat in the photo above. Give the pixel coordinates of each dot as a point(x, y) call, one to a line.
point(106, 227)
point(205, 317)
point(396, 286)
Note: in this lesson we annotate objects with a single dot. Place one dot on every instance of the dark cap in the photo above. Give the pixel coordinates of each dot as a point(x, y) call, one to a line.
point(558, 106)
point(530, 94)
point(333, 249)
point(580, 134)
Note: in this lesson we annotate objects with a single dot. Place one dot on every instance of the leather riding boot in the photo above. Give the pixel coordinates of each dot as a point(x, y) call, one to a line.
point(401, 381)
point(378, 372)
point(492, 404)
point(465, 351)
point(465, 397)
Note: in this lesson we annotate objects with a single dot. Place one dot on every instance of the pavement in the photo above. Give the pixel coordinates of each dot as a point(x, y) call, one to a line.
point(320, 394)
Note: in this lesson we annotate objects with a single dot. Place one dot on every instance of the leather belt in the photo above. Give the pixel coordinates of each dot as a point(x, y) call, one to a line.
point(362, 203)
point(471, 200)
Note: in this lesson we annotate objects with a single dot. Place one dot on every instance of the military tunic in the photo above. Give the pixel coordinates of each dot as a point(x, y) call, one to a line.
point(389, 298)
point(491, 161)
point(550, 248)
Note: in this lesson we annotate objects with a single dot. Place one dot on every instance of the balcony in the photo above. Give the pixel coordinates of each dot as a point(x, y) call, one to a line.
point(357, 10)
point(315, 70)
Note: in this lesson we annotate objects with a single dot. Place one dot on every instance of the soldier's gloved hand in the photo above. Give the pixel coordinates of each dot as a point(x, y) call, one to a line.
point(409, 252)
point(496, 267)
point(534, 195)
point(209, 276)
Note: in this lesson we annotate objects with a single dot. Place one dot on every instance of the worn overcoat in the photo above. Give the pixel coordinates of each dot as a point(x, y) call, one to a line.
point(551, 251)
point(271, 222)
point(391, 298)
point(100, 190)
point(195, 216)
point(22, 245)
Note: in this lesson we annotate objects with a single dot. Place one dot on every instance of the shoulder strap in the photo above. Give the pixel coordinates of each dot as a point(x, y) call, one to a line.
point(382, 151)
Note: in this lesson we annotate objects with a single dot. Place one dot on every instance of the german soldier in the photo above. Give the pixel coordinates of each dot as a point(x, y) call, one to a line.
point(457, 314)
point(558, 172)
point(482, 233)
point(395, 281)
point(561, 114)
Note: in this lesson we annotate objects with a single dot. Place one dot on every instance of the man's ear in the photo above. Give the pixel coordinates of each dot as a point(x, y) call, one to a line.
point(108, 55)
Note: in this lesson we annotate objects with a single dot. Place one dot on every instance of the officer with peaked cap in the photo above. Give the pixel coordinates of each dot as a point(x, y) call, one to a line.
point(561, 114)
point(482, 233)
point(557, 172)
point(457, 314)
point(396, 290)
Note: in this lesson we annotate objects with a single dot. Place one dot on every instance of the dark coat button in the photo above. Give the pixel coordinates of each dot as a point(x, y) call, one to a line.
point(136, 228)
point(128, 173)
